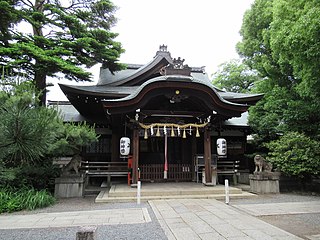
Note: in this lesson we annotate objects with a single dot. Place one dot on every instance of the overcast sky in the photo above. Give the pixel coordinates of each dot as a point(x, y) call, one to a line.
point(203, 32)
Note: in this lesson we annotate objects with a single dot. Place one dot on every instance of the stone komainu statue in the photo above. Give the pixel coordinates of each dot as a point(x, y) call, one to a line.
point(73, 165)
point(262, 164)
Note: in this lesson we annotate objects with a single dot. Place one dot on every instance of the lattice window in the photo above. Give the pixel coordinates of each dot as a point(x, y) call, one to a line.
point(102, 146)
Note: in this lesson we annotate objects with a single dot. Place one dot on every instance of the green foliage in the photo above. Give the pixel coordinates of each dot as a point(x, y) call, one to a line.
point(7, 175)
point(31, 136)
point(12, 200)
point(235, 76)
point(295, 41)
point(72, 138)
point(24, 125)
point(295, 155)
point(280, 39)
point(267, 116)
point(66, 37)
point(31, 133)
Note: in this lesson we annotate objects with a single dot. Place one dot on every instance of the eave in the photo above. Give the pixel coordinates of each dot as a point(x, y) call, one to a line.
point(166, 85)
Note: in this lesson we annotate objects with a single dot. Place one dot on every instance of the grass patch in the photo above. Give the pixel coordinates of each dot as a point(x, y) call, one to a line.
point(12, 200)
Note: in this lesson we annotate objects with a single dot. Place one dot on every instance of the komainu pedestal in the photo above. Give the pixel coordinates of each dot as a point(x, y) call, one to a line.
point(69, 186)
point(264, 182)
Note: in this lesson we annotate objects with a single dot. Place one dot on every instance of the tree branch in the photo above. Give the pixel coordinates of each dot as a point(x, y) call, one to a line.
point(28, 3)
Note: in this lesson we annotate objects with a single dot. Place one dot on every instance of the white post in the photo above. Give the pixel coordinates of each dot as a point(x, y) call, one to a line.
point(138, 192)
point(226, 188)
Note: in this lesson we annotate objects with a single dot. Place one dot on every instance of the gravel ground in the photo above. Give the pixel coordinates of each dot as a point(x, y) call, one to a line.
point(301, 225)
point(151, 230)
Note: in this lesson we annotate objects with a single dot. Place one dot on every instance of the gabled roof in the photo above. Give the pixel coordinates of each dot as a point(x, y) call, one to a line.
point(137, 74)
point(126, 87)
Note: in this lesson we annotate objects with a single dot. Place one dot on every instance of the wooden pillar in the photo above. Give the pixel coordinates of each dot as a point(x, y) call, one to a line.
point(207, 156)
point(193, 154)
point(115, 146)
point(135, 155)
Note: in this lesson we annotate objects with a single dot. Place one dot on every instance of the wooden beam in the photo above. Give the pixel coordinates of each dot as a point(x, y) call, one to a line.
point(207, 156)
point(135, 156)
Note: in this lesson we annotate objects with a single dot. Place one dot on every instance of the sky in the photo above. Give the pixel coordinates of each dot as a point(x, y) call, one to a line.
point(203, 32)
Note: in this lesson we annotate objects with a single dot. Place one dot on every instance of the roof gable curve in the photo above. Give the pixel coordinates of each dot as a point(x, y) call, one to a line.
point(167, 85)
point(132, 77)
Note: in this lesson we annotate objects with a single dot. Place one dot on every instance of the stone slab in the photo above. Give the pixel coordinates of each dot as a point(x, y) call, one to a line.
point(76, 218)
point(220, 222)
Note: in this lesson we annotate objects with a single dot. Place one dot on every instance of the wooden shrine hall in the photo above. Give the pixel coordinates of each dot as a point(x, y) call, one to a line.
point(171, 113)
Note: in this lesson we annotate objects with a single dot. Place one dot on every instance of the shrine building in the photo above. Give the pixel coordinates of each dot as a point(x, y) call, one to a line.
point(180, 126)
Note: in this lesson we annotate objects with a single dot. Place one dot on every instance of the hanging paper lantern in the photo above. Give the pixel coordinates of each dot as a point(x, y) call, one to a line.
point(164, 130)
point(221, 147)
point(124, 146)
point(190, 130)
point(178, 129)
point(151, 131)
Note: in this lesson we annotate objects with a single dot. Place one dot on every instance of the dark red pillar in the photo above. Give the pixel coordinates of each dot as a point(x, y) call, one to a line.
point(207, 156)
point(135, 156)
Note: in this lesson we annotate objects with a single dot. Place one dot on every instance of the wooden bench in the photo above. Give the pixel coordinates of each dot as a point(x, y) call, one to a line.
point(228, 167)
point(104, 169)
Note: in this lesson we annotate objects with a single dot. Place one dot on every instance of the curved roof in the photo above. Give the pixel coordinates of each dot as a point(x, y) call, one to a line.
point(131, 76)
point(143, 82)
point(165, 85)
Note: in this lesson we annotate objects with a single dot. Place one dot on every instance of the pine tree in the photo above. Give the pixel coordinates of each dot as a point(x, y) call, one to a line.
point(65, 38)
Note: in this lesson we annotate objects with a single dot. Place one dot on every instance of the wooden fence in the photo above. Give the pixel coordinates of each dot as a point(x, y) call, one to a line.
point(155, 172)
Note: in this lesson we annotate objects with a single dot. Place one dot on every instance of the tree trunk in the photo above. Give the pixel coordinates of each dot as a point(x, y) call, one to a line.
point(40, 74)
point(40, 82)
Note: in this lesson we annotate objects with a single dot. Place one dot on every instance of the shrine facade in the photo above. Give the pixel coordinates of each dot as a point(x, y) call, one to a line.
point(171, 113)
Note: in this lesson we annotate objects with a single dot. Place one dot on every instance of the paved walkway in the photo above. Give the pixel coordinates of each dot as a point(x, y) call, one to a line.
point(210, 219)
point(265, 209)
point(179, 218)
point(77, 218)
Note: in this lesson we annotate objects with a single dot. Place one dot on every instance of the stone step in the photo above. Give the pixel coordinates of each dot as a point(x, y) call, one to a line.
point(104, 197)
point(132, 192)
point(152, 191)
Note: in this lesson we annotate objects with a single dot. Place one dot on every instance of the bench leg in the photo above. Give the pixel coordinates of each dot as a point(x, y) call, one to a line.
point(86, 180)
point(235, 182)
point(109, 181)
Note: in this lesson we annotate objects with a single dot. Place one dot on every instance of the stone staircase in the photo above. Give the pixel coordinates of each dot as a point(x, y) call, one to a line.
point(153, 191)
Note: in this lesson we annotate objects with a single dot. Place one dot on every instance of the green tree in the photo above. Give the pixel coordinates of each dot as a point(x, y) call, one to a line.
point(235, 76)
point(255, 48)
point(295, 36)
point(65, 37)
point(31, 135)
point(26, 130)
point(281, 41)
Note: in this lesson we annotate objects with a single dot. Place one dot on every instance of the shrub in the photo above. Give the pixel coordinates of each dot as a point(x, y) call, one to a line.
point(295, 154)
point(15, 200)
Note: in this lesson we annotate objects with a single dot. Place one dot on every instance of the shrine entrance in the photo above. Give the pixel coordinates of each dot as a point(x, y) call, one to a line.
point(172, 155)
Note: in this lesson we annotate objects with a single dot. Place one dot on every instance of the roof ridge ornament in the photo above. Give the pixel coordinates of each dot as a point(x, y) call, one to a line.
point(163, 48)
point(177, 63)
point(176, 68)
point(163, 51)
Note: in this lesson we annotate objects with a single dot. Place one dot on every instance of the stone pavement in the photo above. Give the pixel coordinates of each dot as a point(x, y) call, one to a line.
point(179, 218)
point(211, 219)
point(264, 209)
point(76, 218)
